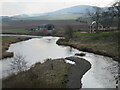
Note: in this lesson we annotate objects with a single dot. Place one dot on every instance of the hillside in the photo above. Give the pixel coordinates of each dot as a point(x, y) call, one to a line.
point(70, 13)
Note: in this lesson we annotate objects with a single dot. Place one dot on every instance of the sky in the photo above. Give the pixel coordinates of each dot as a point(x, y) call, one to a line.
point(16, 7)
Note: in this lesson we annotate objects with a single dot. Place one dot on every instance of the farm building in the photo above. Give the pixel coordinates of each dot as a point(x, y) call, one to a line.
point(33, 29)
point(101, 27)
point(46, 27)
point(93, 27)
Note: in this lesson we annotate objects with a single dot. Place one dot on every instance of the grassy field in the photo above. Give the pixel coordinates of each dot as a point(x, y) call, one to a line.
point(27, 24)
point(23, 26)
point(105, 43)
point(16, 31)
point(6, 41)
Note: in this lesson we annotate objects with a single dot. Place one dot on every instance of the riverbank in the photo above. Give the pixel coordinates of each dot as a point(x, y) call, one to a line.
point(50, 74)
point(104, 43)
point(6, 41)
point(37, 34)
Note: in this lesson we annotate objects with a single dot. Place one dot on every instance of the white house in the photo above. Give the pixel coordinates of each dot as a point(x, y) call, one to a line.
point(93, 27)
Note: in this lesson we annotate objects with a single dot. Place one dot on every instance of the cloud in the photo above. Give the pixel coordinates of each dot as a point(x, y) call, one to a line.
point(10, 8)
point(14, 7)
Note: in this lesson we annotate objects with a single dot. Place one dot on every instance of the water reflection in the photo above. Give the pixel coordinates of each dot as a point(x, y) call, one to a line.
point(69, 50)
point(101, 75)
point(37, 50)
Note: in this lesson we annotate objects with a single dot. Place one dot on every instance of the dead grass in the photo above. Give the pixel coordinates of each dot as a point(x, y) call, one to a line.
point(104, 43)
point(50, 74)
point(6, 41)
point(40, 76)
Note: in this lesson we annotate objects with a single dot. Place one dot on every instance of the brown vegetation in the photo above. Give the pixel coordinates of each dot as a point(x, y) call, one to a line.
point(50, 74)
point(101, 43)
point(60, 26)
point(6, 41)
point(7, 54)
point(34, 23)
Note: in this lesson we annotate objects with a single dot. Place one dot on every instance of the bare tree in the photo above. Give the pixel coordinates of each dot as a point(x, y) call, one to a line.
point(95, 15)
point(18, 63)
point(116, 11)
point(107, 18)
point(111, 16)
point(69, 32)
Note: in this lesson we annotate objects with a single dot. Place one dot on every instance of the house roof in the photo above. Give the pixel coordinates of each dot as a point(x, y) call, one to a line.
point(94, 23)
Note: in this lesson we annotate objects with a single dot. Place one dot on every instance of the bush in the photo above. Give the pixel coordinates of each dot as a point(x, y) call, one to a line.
point(69, 32)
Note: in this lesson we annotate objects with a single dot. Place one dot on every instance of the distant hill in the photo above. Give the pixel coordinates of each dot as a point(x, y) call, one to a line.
point(70, 13)
point(75, 9)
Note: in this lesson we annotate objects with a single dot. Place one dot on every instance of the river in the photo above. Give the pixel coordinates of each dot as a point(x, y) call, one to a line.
point(102, 74)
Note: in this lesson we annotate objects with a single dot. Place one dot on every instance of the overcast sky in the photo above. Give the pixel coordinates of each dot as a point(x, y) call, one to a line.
point(15, 7)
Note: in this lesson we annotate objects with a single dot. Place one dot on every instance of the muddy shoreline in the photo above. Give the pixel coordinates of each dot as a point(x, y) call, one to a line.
point(61, 75)
point(65, 42)
point(6, 44)
point(34, 33)
point(70, 79)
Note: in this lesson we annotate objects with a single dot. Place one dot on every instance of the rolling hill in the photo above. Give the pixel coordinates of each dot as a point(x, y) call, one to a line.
point(70, 13)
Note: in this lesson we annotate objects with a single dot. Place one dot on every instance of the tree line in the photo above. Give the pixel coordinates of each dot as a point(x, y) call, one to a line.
point(109, 16)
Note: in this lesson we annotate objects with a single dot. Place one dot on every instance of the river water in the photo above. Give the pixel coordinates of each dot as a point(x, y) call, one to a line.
point(101, 75)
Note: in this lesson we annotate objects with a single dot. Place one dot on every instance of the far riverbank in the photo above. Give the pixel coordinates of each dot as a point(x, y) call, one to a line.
point(105, 43)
